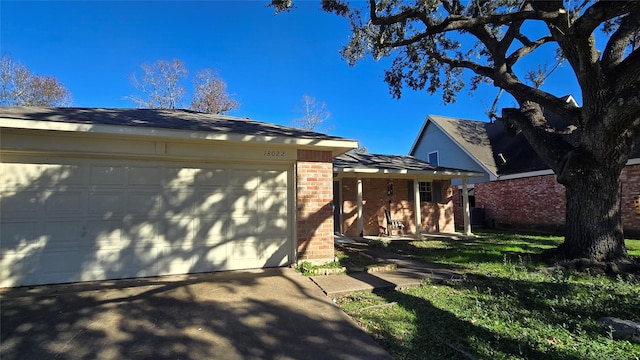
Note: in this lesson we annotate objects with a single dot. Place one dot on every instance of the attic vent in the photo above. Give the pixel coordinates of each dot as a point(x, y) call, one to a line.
point(502, 159)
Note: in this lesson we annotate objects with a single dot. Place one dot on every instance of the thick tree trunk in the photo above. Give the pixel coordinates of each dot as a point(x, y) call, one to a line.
point(593, 216)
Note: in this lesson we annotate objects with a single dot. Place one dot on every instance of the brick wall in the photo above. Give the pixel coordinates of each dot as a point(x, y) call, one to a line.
point(539, 201)
point(630, 187)
point(436, 217)
point(314, 171)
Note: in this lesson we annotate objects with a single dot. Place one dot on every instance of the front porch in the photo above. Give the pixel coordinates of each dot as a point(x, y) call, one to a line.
point(397, 196)
point(340, 239)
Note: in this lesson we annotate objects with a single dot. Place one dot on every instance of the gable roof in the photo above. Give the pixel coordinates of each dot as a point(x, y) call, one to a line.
point(491, 146)
point(394, 164)
point(161, 122)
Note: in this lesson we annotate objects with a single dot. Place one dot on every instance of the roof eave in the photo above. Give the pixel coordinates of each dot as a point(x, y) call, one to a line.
point(336, 146)
point(405, 172)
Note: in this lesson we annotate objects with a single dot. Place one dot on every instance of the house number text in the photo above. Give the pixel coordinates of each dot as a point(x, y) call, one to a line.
point(273, 153)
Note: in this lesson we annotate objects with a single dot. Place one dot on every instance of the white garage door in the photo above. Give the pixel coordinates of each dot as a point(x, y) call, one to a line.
point(66, 220)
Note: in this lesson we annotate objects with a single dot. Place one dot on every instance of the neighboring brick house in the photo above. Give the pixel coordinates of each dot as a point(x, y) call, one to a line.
point(94, 194)
point(376, 194)
point(517, 190)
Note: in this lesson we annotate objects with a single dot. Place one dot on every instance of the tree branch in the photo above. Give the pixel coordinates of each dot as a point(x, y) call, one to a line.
point(527, 49)
point(600, 12)
point(537, 135)
point(452, 22)
point(619, 41)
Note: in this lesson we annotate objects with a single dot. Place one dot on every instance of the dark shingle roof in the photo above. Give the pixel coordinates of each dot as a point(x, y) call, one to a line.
point(159, 118)
point(491, 144)
point(391, 163)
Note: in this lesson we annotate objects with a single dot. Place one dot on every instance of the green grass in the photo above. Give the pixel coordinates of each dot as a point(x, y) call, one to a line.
point(344, 257)
point(507, 307)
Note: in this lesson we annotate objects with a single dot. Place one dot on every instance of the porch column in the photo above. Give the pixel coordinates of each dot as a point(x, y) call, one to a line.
point(416, 211)
point(360, 220)
point(465, 208)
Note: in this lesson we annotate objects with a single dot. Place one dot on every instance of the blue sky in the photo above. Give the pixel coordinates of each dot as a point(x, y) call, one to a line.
point(268, 62)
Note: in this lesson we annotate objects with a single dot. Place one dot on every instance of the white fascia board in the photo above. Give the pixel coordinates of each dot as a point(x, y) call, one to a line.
point(635, 161)
point(338, 146)
point(630, 162)
point(526, 174)
point(415, 142)
point(482, 165)
point(369, 171)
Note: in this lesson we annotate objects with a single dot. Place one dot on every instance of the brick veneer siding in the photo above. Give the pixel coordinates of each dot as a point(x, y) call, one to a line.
point(436, 217)
point(630, 179)
point(539, 201)
point(314, 172)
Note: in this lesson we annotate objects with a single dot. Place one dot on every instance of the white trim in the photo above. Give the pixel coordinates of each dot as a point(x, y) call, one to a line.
point(635, 161)
point(527, 174)
point(630, 162)
point(339, 146)
point(405, 172)
point(416, 141)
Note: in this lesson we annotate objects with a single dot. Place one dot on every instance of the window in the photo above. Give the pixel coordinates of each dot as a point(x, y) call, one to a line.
point(429, 191)
point(426, 195)
point(433, 158)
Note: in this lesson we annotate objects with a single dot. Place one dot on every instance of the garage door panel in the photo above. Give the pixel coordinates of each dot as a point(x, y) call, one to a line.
point(211, 177)
point(19, 268)
point(242, 203)
point(138, 262)
point(108, 175)
point(211, 201)
point(177, 231)
point(243, 226)
point(212, 258)
point(21, 237)
point(247, 179)
point(67, 234)
point(179, 203)
point(19, 175)
point(177, 178)
point(145, 176)
point(20, 204)
point(92, 219)
point(60, 175)
point(273, 202)
point(211, 231)
point(106, 202)
point(69, 202)
point(144, 203)
point(259, 252)
point(274, 179)
point(274, 226)
point(105, 234)
point(140, 231)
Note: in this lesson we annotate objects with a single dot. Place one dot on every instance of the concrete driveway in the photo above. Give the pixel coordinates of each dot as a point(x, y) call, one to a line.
point(261, 314)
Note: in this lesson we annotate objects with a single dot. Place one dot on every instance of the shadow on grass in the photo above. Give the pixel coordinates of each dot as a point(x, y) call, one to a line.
point(433, 333)
point(526, 314)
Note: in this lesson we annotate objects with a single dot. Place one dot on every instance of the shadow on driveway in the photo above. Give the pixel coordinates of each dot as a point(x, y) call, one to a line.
point(261, 314)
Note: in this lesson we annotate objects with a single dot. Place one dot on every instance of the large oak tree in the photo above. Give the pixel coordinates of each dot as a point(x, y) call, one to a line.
point(587, 150)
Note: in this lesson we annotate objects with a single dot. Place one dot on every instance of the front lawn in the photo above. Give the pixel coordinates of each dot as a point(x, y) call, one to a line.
point(507, 307)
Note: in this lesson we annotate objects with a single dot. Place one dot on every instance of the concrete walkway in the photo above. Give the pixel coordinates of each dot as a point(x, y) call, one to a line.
point(409, 273)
